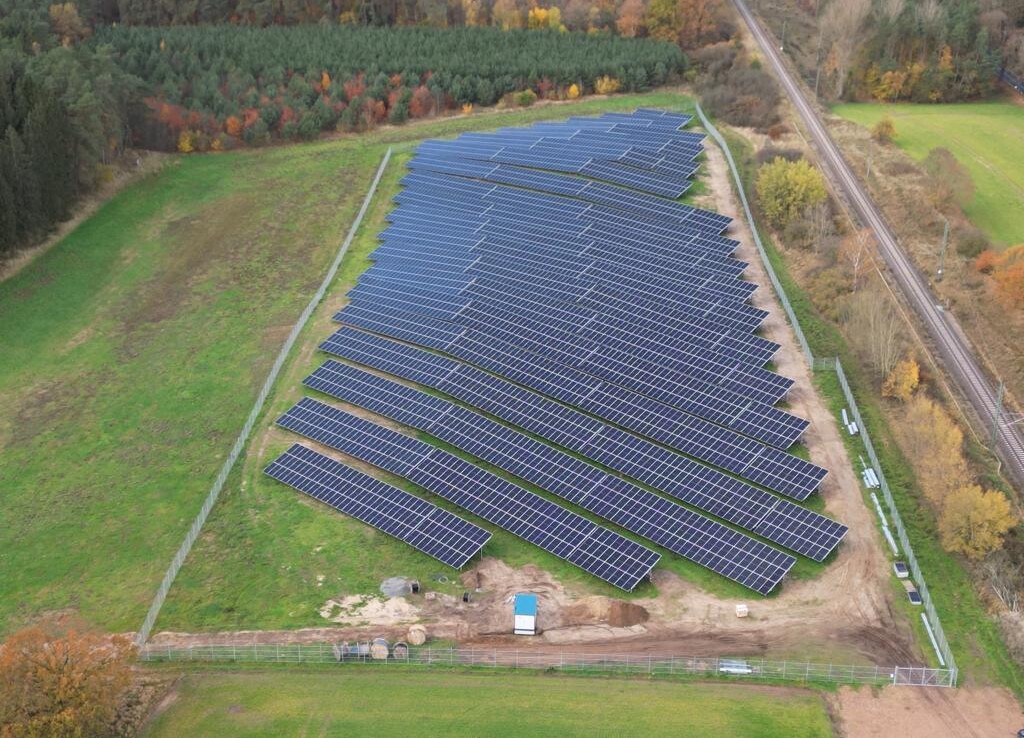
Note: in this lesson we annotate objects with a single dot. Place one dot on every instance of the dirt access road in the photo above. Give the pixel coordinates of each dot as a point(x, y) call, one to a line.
point(845, 614)
point(911, 712)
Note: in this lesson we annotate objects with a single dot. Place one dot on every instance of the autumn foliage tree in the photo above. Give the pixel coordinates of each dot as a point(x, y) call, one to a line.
point(1007, 271)
point(973, 522)
point(902, 380)
point(630, 21)
point(936, 443)
point(66, 687)
point(786, 189)
point(699, 21)
point(663, 20)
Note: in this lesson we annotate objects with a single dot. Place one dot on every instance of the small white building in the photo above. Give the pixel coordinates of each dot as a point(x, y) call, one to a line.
point(525, 622)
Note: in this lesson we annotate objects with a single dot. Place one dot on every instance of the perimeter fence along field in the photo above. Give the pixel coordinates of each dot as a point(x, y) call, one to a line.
point(477, 326)
point(929, 616)
point(658, 666)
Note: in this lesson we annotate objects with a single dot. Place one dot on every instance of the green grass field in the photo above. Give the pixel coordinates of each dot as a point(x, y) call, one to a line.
point(369, 702)
point(987, 138)
point(132, 352)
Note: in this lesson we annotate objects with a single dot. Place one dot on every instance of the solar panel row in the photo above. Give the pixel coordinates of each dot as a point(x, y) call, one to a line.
point(424, 526)
point(599, 551)
point(699, 439)
point(803, 531)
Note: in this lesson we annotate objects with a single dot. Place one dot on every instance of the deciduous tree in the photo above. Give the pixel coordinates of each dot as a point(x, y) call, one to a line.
point(842, 28)
point(630, 21)
point(663, 20)
point(935, 444)
point(61, 687)
point(698, 21)
point(902, 380)
point(787, 188)
point(948, 180)
point(973, 522)
point(874, 328)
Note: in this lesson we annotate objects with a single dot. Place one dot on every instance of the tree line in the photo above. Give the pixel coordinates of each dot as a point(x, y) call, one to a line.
point(79, 83)
point(63, 113)
point(218, 86)
point(898, 50)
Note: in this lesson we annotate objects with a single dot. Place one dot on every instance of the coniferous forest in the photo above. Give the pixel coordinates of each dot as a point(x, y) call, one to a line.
point(218, 86)
point(80, 82)
point(77, 89)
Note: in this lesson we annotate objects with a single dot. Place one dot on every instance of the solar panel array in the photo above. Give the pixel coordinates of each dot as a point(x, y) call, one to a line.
point(546, 277)
point(568, 535)
point(672, 526)
point(426, 527)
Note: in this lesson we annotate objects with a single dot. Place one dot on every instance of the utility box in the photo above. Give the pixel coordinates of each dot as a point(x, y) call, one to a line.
point(525, 619)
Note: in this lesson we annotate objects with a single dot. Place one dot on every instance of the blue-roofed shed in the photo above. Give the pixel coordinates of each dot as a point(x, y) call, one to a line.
point(525, 614)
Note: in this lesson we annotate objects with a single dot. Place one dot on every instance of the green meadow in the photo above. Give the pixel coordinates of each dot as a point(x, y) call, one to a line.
point(987, 138)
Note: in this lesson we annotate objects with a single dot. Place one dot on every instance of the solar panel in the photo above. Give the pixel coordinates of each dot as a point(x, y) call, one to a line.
point(745, 457)
point(702, 487)
point(424, 526)
point(603, 553)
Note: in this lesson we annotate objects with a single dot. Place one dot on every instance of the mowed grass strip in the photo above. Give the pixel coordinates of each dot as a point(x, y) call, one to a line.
point(987, 138)
point(131, 352)
point(368, 701)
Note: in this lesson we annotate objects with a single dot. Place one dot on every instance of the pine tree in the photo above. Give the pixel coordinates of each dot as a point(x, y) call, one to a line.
point(27, 201)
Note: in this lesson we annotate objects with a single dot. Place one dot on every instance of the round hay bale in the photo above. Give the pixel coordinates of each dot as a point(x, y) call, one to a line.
point(400, 651)
point(417, 635)
point(379, 649)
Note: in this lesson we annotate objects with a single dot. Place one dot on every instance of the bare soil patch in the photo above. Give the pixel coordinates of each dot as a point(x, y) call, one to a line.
point(908, 712)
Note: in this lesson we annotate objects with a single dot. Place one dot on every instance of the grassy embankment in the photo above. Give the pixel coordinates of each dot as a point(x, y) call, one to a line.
point(973, 636)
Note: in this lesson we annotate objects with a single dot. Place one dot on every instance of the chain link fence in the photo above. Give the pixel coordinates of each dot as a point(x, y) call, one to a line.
point(739, 668)
point(211, 498)
point(834, 364)
point(580, 663)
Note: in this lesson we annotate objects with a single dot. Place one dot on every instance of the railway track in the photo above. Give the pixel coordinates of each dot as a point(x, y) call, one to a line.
point(954, 351)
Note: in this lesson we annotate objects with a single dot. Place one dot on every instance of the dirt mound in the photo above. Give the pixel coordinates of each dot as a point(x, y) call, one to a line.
point(606, 611)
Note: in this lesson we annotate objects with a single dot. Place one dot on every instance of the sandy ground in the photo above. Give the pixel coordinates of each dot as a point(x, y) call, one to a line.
point(845, 612)
point(906, 712)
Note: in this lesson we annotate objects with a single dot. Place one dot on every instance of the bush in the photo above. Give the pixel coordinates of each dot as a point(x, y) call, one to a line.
point(971, 241)
point(526, 98)
point(884, 131)
point(742, 96)
point(771, 153)
point(606, 85)
point(786, 189)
